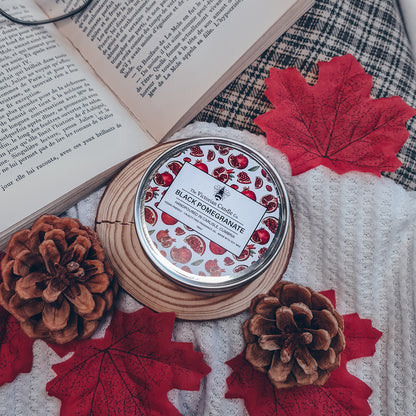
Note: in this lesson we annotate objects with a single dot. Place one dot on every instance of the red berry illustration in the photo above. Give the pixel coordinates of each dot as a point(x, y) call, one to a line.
point(260, 236)
point(250, 194)
point(181, 255)
point(150, 193)
point(150, 215)
point(175, 166)
point(210, 155)
point(271, 223)
point(238, 161)
point(196, 151)
point(211, 266)
point(242, 177)
point(221, 160)
point(196, 243)
point(164, 238)
point(222, 174)
point(270, 202)
point(186, 269)
point(258, 183)
point(198, 164)
point(234, 186)
point(167, 219)
point(163, 179)
point(187, 159)
point(216, 249)
point(269, 188)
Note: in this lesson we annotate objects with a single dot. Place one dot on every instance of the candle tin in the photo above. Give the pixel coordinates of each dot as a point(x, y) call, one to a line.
point(211, 214)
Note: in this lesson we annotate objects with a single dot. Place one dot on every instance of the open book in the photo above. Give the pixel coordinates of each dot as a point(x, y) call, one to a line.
point(80, 98)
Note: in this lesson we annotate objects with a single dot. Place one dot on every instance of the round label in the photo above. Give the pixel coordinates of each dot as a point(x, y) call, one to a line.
point(212, 211)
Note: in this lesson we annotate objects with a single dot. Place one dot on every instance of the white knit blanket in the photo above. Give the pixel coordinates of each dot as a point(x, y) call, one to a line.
point(355, 234)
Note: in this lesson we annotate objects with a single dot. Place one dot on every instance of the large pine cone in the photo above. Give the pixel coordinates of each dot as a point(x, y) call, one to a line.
point(294, 335)
point(56, 280)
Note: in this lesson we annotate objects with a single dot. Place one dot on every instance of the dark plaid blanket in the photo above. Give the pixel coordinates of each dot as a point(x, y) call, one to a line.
point(371, 30)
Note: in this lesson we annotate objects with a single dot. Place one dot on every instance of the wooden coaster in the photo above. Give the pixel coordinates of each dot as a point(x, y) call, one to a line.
point(116, 230)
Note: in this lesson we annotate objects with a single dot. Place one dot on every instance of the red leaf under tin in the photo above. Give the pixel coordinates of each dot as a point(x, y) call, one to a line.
point(16, 348)
point(130, 370)
point(342, 395)
point(334, 123)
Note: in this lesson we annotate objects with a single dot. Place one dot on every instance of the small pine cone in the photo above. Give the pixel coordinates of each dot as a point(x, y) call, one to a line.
point(294, 335)
point(56, 280)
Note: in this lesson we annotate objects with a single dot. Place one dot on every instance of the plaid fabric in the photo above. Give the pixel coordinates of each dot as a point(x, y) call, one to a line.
point(371, 30)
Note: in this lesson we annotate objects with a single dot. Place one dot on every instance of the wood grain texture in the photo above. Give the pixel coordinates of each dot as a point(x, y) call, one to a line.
point(116, 230)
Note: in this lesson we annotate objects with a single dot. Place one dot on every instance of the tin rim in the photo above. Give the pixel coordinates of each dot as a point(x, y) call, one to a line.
point(208, 284)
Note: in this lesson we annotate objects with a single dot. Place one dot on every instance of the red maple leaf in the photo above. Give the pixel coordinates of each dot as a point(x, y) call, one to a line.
point(334, 123)
point(16, 348)
point(342, 395)
point(130, 370)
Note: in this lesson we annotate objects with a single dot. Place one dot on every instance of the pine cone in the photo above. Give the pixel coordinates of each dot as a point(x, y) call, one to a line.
point(294, 335)
point(56, 280)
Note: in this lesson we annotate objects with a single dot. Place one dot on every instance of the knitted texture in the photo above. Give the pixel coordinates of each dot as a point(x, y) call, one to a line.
point(355, 233)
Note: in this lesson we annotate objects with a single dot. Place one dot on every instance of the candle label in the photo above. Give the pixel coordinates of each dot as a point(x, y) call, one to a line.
point(212, 210)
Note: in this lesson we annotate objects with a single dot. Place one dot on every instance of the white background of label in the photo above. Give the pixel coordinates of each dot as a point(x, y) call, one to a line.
point(184, 200)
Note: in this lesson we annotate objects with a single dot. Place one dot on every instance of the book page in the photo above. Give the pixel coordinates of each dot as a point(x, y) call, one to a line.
point(59, 127)
point(162, 56)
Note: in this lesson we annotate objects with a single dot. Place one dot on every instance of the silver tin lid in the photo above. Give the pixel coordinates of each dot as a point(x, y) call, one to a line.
point(211, 214)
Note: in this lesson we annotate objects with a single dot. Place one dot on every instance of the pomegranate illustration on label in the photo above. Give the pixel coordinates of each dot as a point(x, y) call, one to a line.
point(247, 192)
point(198, 164)
point(239, 268)
point(151, 193)
point(222, 174)
point(271, 223)
point(196, 243)
point(239, 162)
point(242, 177)
point(150, 215)
point(175, 166)
point(216, 249)
point(196, 151)
point(246, 253)
point(210, 155)
point(164, 238)
point(262, 251)
point(228, 261)
point(223, 150)
point(211, 266)
point(270, 202)
point(167, 219)
point(258, 183)
point(179, 231)
point(163, 179)
point(260, 236)
point(181, 255)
